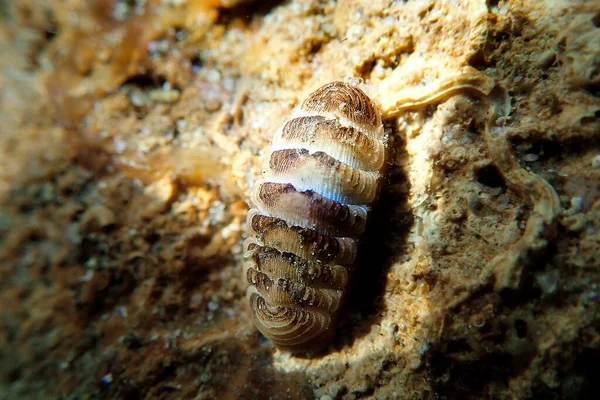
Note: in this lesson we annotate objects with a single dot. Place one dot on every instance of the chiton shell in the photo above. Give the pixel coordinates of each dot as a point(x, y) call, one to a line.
point(320, 178)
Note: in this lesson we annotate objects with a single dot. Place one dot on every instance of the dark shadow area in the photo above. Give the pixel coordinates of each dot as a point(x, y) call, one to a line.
point(544, 149)
point(144, 81)
point(97, 266)
point(468, 380)
point(490, 176)
point(227, 367)
point(246, 11)
point(579, 376)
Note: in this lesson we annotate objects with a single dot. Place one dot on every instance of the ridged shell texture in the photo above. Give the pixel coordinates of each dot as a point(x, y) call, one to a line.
point(319, 179)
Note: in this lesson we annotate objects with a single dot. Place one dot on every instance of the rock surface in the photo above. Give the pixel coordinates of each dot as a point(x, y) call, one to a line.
point(132, 131)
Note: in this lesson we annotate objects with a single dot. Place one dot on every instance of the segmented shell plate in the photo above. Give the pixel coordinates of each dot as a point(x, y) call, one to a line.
point(319, 180)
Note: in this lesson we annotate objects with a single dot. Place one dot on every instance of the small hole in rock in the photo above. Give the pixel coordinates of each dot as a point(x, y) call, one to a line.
point(491, 4)
point(197, 63)
point(460, 346)
point(592, 88)
point(588, 120)
point(521, 328)
point(366, 69)
point(490, 176)
point(596, 20)
point(142, 81)
point(50, 34)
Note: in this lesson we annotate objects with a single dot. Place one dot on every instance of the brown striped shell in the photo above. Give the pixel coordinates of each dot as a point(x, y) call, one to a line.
point(319, 179)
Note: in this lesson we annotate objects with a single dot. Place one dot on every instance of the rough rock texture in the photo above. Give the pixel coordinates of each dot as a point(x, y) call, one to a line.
point(131, 132)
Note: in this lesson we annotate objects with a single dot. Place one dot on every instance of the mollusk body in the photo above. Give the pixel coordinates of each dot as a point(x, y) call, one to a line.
point(320, 178)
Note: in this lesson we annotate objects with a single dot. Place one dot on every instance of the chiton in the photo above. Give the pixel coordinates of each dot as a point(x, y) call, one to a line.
point(320, 179)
